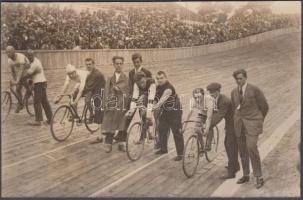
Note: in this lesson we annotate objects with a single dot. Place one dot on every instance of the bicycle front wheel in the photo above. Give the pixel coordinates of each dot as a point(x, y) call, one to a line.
point(62, 123)
point(191, 156)
point(6, 105)
point(29, 104)
point(134, 146)
point(89, 122)
point(211, 145)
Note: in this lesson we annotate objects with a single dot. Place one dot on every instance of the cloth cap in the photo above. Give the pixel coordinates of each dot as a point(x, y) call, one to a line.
point(214, 87)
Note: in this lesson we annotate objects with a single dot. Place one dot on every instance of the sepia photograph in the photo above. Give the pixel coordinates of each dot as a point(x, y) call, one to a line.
point(196, 99)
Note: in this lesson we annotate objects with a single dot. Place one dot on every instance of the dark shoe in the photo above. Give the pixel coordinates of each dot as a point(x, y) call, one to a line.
point(35, 123)
point(98, 140)
point(108, 148)
point(157, 146)
point(159, 152)
point(121, 147)
point(207, 148)
point(260, 182)
point(19, 107)
point(228, 175)
point(242, 180)
point(138, 142)
point(178, 158)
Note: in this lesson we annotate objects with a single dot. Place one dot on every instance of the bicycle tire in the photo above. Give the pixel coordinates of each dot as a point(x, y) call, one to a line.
point(70, 117)
point(29, 105)
point(91, 127)
point(210, 155)
point(130, 141)
point(6, 101)
point(190, 173)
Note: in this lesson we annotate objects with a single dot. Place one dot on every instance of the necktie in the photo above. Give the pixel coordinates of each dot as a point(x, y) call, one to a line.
point(241, 94)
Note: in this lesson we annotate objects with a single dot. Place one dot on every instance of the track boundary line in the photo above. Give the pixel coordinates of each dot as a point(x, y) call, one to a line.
point(98, 192)
point(229, 187)
point(45, 153)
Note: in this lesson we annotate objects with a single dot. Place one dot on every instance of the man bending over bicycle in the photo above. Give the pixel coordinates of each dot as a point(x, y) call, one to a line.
point(77, 76)
point(144, 93)
point(18, 64)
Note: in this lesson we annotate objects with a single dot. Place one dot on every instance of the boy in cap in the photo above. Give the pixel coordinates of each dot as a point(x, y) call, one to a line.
point(224, 110)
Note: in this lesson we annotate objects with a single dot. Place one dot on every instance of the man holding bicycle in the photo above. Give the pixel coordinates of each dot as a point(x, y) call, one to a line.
point(18, 64)
point(40, 96)
point(169, 103)
point(144, 92)
point(224, 110)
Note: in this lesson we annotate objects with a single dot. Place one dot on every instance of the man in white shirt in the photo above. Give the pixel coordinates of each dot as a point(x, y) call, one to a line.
point(77, 76)
point(40, 96)
point(18, 64)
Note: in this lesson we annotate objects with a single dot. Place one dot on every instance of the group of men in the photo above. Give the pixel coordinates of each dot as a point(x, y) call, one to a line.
point(120, 96)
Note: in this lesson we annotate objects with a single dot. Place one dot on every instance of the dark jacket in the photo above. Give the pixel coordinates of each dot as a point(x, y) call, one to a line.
point(132, 76)
point(95, 81)
point(224, 111)
point(251, 112)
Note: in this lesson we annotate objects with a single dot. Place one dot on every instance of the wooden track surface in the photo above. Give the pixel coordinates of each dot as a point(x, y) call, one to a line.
point(33, 164)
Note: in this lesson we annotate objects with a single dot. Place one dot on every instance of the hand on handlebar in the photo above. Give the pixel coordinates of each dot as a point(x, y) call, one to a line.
point(129, 113)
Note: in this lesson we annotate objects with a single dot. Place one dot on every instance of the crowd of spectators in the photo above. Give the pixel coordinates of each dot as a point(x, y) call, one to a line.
point(52, 28)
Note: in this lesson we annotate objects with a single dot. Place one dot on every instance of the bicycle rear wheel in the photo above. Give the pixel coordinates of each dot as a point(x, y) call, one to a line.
point(214, 143)
point(62, 123)
point(191, 156)
point(6, 105)
point(89, 123)
point(134, 147)
point(29, 104)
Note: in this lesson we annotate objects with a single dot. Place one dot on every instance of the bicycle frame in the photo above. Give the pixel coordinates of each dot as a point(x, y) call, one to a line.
point(74, 111)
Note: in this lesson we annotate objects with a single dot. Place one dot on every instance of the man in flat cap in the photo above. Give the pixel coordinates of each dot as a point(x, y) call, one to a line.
point(223, 109)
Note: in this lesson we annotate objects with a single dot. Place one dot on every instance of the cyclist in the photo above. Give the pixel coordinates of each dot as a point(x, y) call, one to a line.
point(203, 106)
point(18, 63)
point(144, 93)
point(77, 76)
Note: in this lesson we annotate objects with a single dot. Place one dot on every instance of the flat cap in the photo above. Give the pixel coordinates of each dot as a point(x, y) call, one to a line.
point(213, 86)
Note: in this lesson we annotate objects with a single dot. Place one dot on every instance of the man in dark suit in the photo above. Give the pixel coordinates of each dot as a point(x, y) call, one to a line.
point(138, 69)
point(250, 108)
point(137, 61)
point(223, 109)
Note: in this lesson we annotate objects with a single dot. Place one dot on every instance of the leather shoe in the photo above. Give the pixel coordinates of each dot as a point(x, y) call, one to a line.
point(121, 147)
point(159, 152)
point(178, 158)
point(260, 182)
point(108, 148)
point(243, 179)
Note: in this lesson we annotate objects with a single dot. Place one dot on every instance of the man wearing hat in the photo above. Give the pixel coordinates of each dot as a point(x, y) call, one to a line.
point(223, 109)
point(79, 78)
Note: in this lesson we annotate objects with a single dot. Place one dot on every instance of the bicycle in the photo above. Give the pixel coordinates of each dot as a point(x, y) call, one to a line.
point(195, 147)
point(64, 117)
point(7, 101)
point(134, 143)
